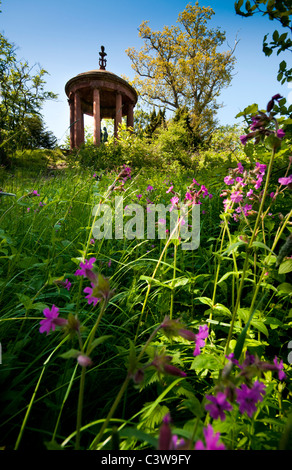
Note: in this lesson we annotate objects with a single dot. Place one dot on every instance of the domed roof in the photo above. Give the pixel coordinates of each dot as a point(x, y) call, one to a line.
point(100, 78)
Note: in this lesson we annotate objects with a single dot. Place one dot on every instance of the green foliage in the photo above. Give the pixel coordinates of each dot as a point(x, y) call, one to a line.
point(22, 97)
point(42, 245)
point(278, 10)
point(183, 66)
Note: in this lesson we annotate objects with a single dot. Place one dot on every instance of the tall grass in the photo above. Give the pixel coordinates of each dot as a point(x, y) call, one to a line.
point(131, 338)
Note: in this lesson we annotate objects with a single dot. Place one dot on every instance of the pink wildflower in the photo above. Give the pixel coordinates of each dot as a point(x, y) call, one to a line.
point(174, 200)
point(236, 196)
point(51, 320)
point(261, 167)
point(84, 266)
point(91, 299)
point(241, 181)
point(218, 405)
point(243, 139)
point(285, 181)
point(240, 167)
point(228, 180)
point(67, 284)
point(162, 221)
point(279, 367)
point(200, 339)
point(258, 182)
point(248, 397)
point(211, 440)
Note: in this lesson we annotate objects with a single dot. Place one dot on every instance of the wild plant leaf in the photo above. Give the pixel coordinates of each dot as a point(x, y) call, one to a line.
point(285, 267)
point(194, 405)
point(151, 280)
point(241, 339)
point(226, 275)
point(70, 353)
point(262, 245)
point(221, 308)
point(205, 362)
point(152, 415)
point(138, 435)
point(285, 288)
point(98, 341)
point(205, 300)
point(259, 325)
point(233, 247)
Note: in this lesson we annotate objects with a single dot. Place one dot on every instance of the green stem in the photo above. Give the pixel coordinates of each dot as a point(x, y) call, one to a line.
point(34, 394)
point(173, 279)
point(80, 407)
point(248, 250)
point(93, 331)
point(153, 276)
point(217, 271)
point(111, 412)
point(121, 392)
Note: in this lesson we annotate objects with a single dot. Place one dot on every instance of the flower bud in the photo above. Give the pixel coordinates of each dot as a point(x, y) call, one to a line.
point(84, 360)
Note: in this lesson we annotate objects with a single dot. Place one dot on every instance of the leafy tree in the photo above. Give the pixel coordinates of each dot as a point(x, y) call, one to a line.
point(281, 11)
point(22, 95)
point(35, 135)
point(181, 66)
point(156, 120)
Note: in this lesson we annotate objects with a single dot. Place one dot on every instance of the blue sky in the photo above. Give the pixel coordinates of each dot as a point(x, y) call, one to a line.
point(64, 37)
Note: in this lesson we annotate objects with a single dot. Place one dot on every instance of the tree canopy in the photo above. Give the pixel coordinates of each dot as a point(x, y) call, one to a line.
point(184, 66)
point(22, 95)
point(281, 12)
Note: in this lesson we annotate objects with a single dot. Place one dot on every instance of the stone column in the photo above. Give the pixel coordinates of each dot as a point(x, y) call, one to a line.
point(130, 115)
point(71, 104)
point(78, 117)
point(96, 116)
point(118, 115)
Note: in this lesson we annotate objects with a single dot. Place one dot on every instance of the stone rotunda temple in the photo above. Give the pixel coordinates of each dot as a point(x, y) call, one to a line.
point(100, 94)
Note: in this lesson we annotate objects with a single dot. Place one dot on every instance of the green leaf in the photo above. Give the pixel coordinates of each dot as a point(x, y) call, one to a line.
point(153, 405)
point(70, 353)
point(151, 280)
point(226, 275)
point(241, 339)
point(194, 405)
point(285, 288)
point(138, 435)
point(285, 267)
point(221, 308)
point(259, 325)
point(25, 300)
point(233, 247)
point(205, 300)
point(98, 341)
point(262, 245)
point(205, 362)
point(273, 322)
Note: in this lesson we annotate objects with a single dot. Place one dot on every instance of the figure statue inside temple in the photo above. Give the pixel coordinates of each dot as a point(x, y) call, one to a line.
point(104, 135)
